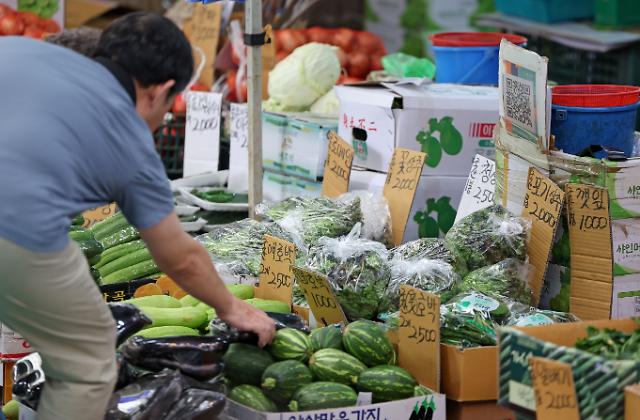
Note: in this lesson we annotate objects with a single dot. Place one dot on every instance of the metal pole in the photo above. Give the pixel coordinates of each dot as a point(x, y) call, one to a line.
point(253, 25)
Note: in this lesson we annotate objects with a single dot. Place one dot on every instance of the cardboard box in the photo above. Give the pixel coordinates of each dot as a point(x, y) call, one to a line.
point(451, 123)
point(295, 145)
point(278, 186)
point(434, 206)
point(12, 345)
point(469, 374)
point(590, 372)
point(488, 410)
point(632, 402)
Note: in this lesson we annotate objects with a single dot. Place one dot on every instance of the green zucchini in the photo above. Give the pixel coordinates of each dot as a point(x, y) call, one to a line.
point(118, 251)
point(137, 271)
point(176, 317)
point(189, 300)
point(122, 236)
point(156, 301)
point(241, 291)
point(94, 260)
point(106, 223)
point(125, 261)
point(167, 331)
point(118, 225)
point(81, 235)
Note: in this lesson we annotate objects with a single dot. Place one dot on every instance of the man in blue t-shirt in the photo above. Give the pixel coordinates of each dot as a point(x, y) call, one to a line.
point(76, 133)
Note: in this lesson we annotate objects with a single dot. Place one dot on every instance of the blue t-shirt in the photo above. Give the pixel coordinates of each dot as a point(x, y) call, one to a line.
point(70, 140)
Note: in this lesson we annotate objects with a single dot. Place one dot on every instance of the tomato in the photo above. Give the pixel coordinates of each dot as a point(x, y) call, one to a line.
point(29, 19)
point(179, 104)
point(199, 88)
point(343, 58)
point(6, 10)
point(243, 95)
point(344, 38)
point(318, 34)
point(11, 24)
point(367, 42)
point(376, 62)
point(359, 65)
point(49, 25)
point(286, 40)
point(281, 55)
point(34, 32)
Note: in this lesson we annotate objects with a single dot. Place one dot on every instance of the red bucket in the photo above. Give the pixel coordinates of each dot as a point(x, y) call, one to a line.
point(595, 96)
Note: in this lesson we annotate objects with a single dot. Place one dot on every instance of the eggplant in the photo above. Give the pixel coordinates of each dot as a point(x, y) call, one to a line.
point(129, 320)
point(189, 350)
point(201, 372)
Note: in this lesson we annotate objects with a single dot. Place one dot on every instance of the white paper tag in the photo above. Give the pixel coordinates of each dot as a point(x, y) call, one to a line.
point(239, 151)
point(202, 133)
point(479, 191)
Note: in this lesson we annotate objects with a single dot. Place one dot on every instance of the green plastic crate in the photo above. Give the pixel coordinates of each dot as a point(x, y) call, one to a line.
point(617, 13)
point(169, 139)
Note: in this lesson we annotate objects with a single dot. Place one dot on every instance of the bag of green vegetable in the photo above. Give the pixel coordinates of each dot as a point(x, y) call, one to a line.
point(506, 279)
point(435, 276)
point(431, 248)
point(534, 317)
point(357, 270)
point(488, 236)
point(376, 217)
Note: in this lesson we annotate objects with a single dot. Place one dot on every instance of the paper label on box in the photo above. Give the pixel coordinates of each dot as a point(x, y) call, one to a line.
point(591, 251)
point(202, 134)
point(543, 204)
point(626, 246)
point(320, 297)
point(239, 149)
point(400, 188)
point(419, 335)
point(480, 187)
point(203, 30)
point(626, 297)
point(554, 390)
point(276, 277)
point(522, 395)
point(337, 170)
point(91, 217)
point(475, 302)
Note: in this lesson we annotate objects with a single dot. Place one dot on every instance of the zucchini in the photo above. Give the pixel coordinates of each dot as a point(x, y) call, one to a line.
point(155, 301)
point(137, 271)
point(270, 305)
point(106, 223)
point(189, 300)
point(119, 251)
point(168, 331)
point(125, 261)
point(176, 317)
point(94, 260)
point(122, 236)
point(241, 291)
point(118, 225)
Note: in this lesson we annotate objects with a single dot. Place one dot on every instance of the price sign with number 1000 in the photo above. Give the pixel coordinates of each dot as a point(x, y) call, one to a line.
point(322, 301)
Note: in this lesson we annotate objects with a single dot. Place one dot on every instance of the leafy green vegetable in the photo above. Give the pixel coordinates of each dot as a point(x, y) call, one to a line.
point(611, 344)
point(506, 279)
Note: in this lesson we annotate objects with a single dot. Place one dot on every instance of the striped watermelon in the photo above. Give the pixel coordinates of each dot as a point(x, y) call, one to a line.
point(291, 344)
point(367, 341)
point(336, 366)
point(329, 337)
point(245, 364)
point(387, 383)
point(323, 395)
point(252, 397)
point(282, 379)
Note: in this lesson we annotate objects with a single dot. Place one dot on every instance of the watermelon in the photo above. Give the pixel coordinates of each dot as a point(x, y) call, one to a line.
point(367, 341)
point(387, 383)
point(282, 379)
point(336, 366)
point(245, 364)
point(291, 344)
point(252, 397)
point(323, 395)
point(421, 391)
point(329, 337)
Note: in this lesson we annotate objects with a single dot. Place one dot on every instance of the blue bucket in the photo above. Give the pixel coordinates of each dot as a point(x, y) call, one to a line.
point(576, 128)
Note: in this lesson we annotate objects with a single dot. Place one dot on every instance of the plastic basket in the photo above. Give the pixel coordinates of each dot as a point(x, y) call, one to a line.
point(617, 13)
point(595, 96)
point(169, 139)
point(548, 11)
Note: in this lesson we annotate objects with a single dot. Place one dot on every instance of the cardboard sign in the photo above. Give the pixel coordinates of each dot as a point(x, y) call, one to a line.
point(554, 389)
point(323, 303)
point(419, 335)
point(203, 30)
point(91, 217)
point(269, 61)
point(591, 254)
point(276, 278)
point(543, 204)
point(400, 187)
point(239, 149)
point(337, 168)
point(480, 187)
point(202, 133)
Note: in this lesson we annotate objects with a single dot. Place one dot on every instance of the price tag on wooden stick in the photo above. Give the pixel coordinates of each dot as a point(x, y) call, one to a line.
point(419, 335)
point(480, 188)
point(276, 277)
point(203, 31)
point(554, 389)
point(400, 188)
point(337, 168)
point(543, 203)
point(323, 303)
point(91, 217)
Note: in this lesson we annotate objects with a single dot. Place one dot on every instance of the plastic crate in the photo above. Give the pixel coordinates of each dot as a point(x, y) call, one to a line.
point(548, 11)
point(617, 13)
point(169, 139)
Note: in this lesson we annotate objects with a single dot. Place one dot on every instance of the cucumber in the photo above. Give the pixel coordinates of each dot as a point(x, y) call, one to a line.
point(252, 397)
point(106, 223)
point(137, 271)
point(125, 261)
point(270, 305)
point(78, 220)
point(177, 317)
point(122, 236)
point(156, 301)
point(241, 291)
point(81, 235)
point(167, 331)
point(118, 251)
point(118, 225)
point(189, 300)
point(94, 260)
point(90, 248)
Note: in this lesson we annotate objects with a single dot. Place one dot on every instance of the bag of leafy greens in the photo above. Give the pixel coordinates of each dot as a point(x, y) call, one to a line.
point(431, 248)
point(376, 217)
point(506, 279)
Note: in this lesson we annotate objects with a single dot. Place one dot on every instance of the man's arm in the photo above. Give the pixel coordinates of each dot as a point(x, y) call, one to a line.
point(188, 263)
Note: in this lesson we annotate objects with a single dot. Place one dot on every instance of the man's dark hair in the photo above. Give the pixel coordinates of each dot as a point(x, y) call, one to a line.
point(150, 47)
point(81, 40)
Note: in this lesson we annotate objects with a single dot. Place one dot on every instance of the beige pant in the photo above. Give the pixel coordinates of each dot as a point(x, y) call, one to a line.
point(52, 301)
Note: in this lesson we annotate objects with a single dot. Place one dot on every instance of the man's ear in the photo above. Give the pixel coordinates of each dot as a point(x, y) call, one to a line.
point(160, 92)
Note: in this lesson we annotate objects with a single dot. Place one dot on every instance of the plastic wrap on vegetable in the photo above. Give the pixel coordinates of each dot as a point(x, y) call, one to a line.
point(309, 219)
point(535, 317)
point(507, 279)
point(496, 309)
point(431, 248)
point(435, 276)
point(357, 270)
point(197, 404)
point(376, 217)
point(488, 236)
point(129, 320)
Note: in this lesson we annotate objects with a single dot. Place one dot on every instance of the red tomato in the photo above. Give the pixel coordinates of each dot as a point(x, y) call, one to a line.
point(11, 24)
point(29, 19)
point(243, 95)
point(281, 55)
point(344, 38)
point(359, 65)
point(376, 62)
point(199, 88)
point(286, 40)
point(6, 10)
point(318, 34)
point(367, 42)
point(300, 36)
point(343, 58)
point(231, 84)
point(34, 32)
point(49, 25)
point(179, 105)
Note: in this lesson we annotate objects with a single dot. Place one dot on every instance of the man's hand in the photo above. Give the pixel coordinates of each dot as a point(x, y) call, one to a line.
point(247, 318)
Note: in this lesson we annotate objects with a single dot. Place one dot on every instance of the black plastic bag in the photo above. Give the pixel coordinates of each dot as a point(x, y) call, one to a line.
point(197, 404)
point(219, 328)
point(129, 320)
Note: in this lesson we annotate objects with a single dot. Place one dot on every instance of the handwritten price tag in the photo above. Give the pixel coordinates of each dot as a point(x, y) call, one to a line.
point(591, 253)
point(554, 389)
point(543, 204)
point(276, 277)
point(337, 168)
point(480, 188)
point(91, 217)
point(323, 303)
point(239, 151)
point(202, 134)
point(203, 31)
point(419, 335)
point(400, 187)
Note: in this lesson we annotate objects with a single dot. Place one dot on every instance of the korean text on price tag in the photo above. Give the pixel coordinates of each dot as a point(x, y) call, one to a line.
point(202, 133)
point(543, 204)
point(323, 303)
point(276, 277)
point(419, 335)
point(591, 251)
point(400, 188)
point(337, 169)
point(554, 389)
point(480, 188)
point(93, 216)
point(239, 149)
point(203, 31)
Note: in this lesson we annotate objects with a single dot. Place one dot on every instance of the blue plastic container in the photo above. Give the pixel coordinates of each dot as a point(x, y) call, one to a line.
point(576, 128)
point(548, 11)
